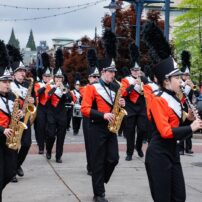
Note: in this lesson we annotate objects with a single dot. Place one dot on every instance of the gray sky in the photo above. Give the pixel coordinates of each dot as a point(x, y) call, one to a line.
point(73, 25)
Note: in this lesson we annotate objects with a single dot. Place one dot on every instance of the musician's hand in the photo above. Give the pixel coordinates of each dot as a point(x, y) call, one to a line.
point(136, 81)
point(8, 132)
point(196, 125)
point(31, 100)
point(190, 115)
point(189, 83)
point(109, 117)
point(20, 114)
point(122, 102)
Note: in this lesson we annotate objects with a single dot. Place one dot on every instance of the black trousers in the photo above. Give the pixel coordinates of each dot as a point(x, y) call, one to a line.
point(165, 175)
point(105, 157)
point(186, 144)
point(69, 116)
point(26, 142)
point(41, 122)
point(138, 121)
point(56, 129)
point(8, 166)
point(87, 143)
point(76, 123)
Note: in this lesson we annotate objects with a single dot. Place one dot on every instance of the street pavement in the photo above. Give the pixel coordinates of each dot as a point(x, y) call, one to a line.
point(48, 181)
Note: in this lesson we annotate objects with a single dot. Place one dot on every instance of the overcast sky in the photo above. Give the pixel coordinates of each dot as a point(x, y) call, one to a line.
point(73, 25)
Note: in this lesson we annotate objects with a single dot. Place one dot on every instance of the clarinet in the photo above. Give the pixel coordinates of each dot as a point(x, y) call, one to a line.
point(189, 104)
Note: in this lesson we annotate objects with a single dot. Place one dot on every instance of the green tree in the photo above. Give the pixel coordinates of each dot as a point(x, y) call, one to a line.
point(13, 41)
point(188, 35)
point(31, 43)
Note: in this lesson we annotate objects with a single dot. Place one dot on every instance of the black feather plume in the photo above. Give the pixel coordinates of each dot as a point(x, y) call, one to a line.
point(92, 57)
point(59, 59)
point(159, 48)
point(134, 54)
point(186, 57)
point(4, 59)
point(110, 43)
point(45, 59)
point(77, 76)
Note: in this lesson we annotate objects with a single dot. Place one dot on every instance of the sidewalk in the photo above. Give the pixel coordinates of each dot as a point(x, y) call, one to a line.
point(48, 181)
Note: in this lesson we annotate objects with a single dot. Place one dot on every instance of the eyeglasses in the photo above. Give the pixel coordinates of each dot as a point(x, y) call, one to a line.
point(95, 77)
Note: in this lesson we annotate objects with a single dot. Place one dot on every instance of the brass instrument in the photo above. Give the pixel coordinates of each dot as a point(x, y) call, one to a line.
point(17, 126)
point(29, 109)
point(118, 113)
point(140, 83)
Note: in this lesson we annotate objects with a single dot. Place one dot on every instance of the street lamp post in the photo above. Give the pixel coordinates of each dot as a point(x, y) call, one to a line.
point(112, 7)
point(139, 5)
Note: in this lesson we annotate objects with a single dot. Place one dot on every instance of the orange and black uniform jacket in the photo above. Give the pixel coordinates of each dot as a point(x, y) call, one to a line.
point(6, 108)
point(59, 101)
point(167, 113)
point(148, 89)
point(135, 101)
point(96, 102)
point(41, 93)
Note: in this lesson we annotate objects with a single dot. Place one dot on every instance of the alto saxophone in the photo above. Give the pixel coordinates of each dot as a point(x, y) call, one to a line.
point(17, 126)
point(29, 109)
point(118, 113)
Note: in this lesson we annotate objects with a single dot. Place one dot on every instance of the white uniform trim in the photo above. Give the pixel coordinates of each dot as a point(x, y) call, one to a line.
point(131, 81)
point(20, 91)
point(58, 92)
point(3, 106)
point(102, 92)
point(172, 103)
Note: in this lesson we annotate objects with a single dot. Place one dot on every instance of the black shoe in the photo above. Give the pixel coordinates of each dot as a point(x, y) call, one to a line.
point(181, 152)
point(20, 172)
point(140, 153)
point(189, 151)
point(128, 158)
point(41, 152)
point(99, 199)
point(75, 133)
point(89, 173)
point(48, 156)
point(14, 179)
point(59, 160)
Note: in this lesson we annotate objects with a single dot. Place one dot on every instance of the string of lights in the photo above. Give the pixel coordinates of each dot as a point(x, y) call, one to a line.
point(48, 8)
point(53, 15)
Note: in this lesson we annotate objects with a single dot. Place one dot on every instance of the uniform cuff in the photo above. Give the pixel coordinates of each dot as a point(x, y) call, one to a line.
point(51, 91)
point(41, 90)
point(94, 114)
point(182, 132)
point(130, 88)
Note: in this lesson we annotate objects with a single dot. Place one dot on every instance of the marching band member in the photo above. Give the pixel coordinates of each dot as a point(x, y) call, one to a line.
point(136, 108)
point(93, 77)
point(42, 100)
point(186, 145)
point(8, 157)
point(162, 157)
point(76, 116)
point(20, 86)
point(97, 105)
point(56, 116)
